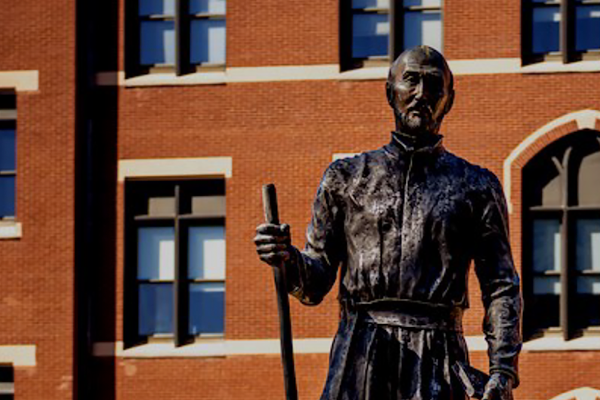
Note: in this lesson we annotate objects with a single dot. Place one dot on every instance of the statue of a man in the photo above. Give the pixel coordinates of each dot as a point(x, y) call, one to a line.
point(403, 224)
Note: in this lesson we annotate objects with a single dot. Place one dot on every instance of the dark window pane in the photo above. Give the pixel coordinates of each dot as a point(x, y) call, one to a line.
point(157, 7)
point(155, 308)
point(546, 26)
point(157, 42)
point(587, 34)
point(156, 253)
point(370, 35)
point(423, 28)
point(588, 247)
point(547, 252)
point(360, 4)
point(206, 252)
point(8, 101)
point(588, 259)
point(587, 186)
point(547, 247)
point(7, 196)
point(7, 150)
point(207, 6)
point(208, 42)
point(207, 308)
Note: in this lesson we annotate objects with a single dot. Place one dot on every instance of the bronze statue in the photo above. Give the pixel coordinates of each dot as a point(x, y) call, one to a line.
point(403, 224)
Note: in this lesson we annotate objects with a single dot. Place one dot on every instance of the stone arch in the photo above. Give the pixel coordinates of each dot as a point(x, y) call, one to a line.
point(583, 393)
point(533, 143)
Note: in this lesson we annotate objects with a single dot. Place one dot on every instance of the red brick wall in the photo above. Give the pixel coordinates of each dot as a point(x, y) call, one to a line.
point(36, 288)
point(282, 132)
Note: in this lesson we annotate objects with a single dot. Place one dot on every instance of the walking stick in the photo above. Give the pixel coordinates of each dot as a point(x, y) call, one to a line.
point(283, 305)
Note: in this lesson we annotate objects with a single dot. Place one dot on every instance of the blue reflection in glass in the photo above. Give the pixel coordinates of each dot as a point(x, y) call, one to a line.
point(207, 308)
point(208, 41)
point(359, 4)
point(207, 6)
point(157, 42)
point(7, 150)
point(7, 196)
point(587, 33)
point(370, 35)
point(546, 28)
point(155, 308)
point(423, 28)
point(157, 7)
point(423, 3)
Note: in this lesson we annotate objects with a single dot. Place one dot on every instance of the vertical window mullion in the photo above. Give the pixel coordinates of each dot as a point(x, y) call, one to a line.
point(565, 284)
point(396, 28)
point(177, 287)
point(567, 30)
point(132, 38)
point(345, 40)
point(181, 50)
point(526, 30)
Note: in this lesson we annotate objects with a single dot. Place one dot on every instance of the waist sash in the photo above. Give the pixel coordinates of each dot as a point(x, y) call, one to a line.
point(409, 314)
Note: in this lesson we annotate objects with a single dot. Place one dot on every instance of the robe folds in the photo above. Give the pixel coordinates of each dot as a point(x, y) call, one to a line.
point(402, 225)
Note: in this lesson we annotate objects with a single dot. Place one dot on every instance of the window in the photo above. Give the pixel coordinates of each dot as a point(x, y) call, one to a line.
point(561, 274)
point(175, 260)
point(8, 155)
point(175, 36)
point(373, 32)
point(7, 382)
point(561, 30)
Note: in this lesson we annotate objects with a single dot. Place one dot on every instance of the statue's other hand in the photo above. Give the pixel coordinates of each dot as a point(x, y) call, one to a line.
point(499, 387)
point(273, 243)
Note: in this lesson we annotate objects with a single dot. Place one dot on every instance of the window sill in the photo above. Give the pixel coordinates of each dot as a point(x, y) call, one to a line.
point(211, 348)
point(365, 73)
point(559, 67)
point(331, 72)
point(10, 230)
point(170, 79)
point(556, 343)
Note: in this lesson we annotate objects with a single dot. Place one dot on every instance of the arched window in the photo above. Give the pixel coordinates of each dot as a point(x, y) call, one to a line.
point(561, 237)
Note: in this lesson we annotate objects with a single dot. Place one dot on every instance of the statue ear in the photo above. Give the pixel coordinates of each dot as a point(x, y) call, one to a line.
point(449, 103)
point(389, 91)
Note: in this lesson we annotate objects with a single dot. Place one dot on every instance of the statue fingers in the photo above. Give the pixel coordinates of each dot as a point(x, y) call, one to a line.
point(268, 239)
point(269, 229)
point(271, 248)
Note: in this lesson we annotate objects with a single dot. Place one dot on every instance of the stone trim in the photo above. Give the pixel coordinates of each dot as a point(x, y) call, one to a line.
point(175, 167)
point(536, 141)
point(484, 66)
point(21, 81)
point(18, 355)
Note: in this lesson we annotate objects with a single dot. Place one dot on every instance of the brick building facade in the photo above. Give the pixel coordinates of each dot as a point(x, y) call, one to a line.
point(103, 139)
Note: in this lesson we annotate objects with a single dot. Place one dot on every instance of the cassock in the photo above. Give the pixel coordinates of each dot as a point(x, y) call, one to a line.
point(402, 225)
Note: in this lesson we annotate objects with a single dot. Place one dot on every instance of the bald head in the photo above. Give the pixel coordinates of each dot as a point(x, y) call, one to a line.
point(421, 56)
point(420, 89)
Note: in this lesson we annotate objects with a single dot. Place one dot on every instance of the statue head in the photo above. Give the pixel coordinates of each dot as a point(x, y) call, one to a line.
point(420, 89)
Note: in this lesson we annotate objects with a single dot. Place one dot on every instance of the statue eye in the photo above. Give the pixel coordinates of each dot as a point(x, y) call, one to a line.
point(411, 78)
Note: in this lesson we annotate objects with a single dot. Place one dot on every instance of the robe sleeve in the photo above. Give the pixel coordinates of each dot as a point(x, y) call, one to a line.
point(312, 272)
point(499, 283)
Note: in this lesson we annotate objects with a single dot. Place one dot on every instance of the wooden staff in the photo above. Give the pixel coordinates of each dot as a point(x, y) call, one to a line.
point(283, 305)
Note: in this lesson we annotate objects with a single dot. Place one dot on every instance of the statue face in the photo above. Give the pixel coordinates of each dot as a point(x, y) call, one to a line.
point(420, 91)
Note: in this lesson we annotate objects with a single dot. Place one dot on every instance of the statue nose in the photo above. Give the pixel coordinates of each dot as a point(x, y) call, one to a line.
point(419, 89)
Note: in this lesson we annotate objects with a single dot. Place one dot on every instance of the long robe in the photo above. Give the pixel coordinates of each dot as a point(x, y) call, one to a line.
point(404, 223)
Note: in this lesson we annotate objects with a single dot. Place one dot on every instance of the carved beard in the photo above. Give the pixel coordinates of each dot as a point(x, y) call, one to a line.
point(416, 124)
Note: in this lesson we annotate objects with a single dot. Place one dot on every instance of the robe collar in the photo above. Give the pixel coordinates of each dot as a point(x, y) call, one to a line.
point(402, 145)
